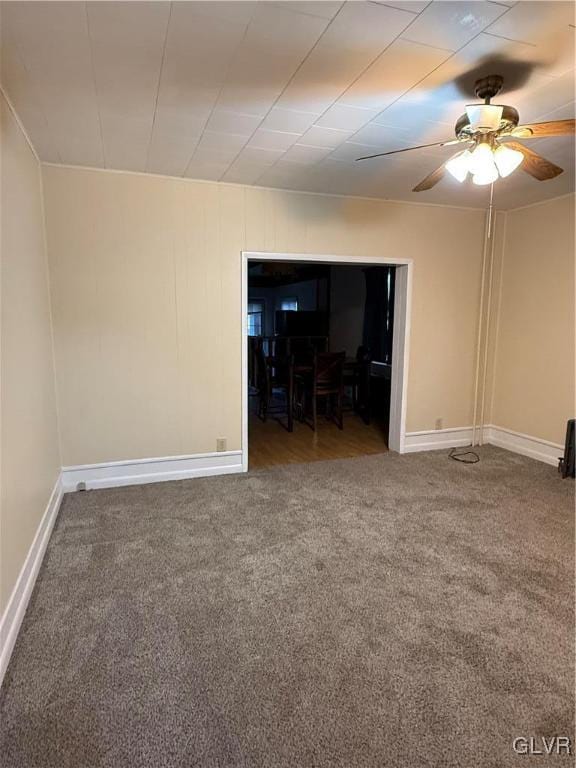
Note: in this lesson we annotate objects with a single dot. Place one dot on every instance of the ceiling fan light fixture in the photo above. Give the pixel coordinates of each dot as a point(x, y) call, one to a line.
point(484, 117)
point(487, 176)
point(459, 165)
point(507, 160)
point(482, 160)
point(481, 128)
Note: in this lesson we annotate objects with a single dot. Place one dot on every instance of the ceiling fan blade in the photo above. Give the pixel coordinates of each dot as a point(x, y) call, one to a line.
point(540, 130)
point(409, 149)
point(535, 164)
point(431, 180)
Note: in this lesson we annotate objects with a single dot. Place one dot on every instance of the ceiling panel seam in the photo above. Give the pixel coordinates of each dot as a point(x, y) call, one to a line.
point(348, 86)
point(41, 106)
point(431, 72)
point(93, 70)
point(158, 84)
point(223, 84)
point(398, 37)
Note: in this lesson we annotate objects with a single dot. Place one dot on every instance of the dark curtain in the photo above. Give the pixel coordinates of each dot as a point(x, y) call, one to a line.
point(379, 313)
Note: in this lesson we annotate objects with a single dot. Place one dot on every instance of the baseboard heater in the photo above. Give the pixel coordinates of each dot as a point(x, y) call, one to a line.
point(566, 462)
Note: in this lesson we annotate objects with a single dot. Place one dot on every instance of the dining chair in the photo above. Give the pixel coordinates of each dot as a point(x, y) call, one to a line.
point(324, 380)
point(276, 373)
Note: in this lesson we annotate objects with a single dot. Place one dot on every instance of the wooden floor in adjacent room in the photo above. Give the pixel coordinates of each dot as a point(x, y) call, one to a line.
point(269, 444)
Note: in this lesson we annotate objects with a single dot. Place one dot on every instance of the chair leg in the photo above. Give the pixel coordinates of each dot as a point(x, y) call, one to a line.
point(265, 404)
point(366, 398)
point(290, 404)
point(300, 403)
point(340, 411)
point(314, 410)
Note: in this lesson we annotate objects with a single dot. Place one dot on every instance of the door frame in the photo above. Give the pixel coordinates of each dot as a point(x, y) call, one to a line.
point(400, 337)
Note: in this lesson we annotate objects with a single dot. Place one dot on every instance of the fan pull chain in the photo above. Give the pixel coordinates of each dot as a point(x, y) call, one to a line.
point(490, 210)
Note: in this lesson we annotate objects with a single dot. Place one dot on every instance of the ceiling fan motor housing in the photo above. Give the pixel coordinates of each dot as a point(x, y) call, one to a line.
point(488, 87)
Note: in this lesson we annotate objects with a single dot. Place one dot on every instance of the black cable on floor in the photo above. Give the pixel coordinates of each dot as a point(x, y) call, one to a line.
point(473, 457)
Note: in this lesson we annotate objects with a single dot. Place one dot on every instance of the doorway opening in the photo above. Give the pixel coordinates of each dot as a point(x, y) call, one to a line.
point(325, 353)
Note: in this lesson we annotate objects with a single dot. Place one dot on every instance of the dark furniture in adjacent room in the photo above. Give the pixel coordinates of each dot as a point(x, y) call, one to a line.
point(301, 323)
point(275, 383)
point(322, 380)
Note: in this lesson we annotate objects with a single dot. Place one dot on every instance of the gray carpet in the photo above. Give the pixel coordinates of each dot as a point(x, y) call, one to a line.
point(384, 611)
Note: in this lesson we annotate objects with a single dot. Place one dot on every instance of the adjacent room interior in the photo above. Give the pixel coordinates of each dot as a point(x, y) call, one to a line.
point(320, 340)
point(287, 384)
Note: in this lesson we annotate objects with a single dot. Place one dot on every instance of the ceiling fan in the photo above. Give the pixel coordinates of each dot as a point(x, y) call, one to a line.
point(484, 130)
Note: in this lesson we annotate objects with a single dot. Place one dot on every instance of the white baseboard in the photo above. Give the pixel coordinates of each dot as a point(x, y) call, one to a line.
point(16, 608)
point(116, 473)
point(107, 475)
point(437, 439)
point(443, 439)
point(527, 445)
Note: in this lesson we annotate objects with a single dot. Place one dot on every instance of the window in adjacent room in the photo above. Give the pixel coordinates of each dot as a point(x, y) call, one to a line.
point(289, 305)
point(255, 318)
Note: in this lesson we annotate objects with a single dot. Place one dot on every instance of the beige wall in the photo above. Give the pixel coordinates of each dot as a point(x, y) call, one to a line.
point(30, 460)
point(145, 279)
point(146, 293)
point(533, 377)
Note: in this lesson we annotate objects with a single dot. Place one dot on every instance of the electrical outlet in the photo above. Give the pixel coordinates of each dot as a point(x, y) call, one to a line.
point(439, 423)
point(220, 444)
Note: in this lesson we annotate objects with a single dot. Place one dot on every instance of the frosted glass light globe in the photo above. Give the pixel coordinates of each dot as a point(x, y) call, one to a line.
point(486, 176)
point(482, 160)
point(507, 160)
point(458, 165)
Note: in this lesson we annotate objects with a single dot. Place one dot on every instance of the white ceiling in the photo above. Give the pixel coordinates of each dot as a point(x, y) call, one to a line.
point(285, 94)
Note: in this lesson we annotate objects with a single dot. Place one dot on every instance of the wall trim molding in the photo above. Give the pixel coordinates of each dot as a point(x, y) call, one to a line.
point(457, 437)
point(113, 474)
point(16, 608)
point(187, 179)
point(20, 124)
point(527, 445)
point(105, 475)
point(392, 200)
point(540, 202)
point(437, 439)
point(161, 469)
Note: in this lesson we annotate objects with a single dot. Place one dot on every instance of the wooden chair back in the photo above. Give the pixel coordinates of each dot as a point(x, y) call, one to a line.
point(328, 371)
